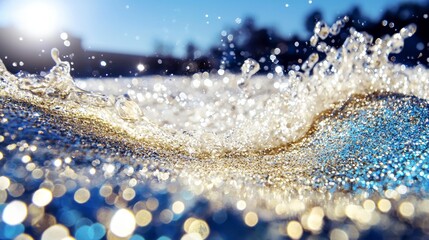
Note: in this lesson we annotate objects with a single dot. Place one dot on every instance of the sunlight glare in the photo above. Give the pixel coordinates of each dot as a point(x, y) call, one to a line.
point(38, 19)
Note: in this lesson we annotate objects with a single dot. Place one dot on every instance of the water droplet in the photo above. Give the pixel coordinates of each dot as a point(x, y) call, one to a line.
point(199, 226)
point(313, 40)
point(56, 231)
point(42, 197)
point(384, 23)
point(127, 109)
point(322, 47)
point(143, 218)
point(251, 219)
point(64, 36)
point(321, 29)
point(140, 67)
point(311, 61)
point(61, 69)
point(14, 213)
point(408, 30)
point(123, 223)
point(294, 230)
point(55, 54)
point(248, 69)
point(396, 43)
point(336, 27)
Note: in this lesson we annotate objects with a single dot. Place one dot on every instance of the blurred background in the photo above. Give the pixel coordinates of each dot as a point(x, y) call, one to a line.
point(113, 38)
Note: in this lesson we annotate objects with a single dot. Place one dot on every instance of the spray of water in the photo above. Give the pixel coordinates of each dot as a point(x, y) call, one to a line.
point(209, 114)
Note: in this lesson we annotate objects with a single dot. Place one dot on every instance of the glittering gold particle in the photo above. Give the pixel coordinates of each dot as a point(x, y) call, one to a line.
point(16, 189)
point(56, 232)
point(1, 155)
point(47, 220)
point(251, 219)
point(59, 190)
point(384, 205)
point(82, 195)
point(191, 236)
point(133, 182)
point(26, 159)
point(11, 147)
point(30, 167)
point(140, 205)
point(392, 194)
point(128, 194)
point(104, 215)
point(241, 205)
point(166, 216)
point(187, 224)
point(4, 183)
point(58, 162)
point(178, 207)
point(314, 220)
point(338, 234)
point(35, 213)
point(14, 213)
point(143, 218)
point(67, 160)
point(106, 190)
point(23, 236)
point(369, 205)
point(42, 197)
point(37, 173)
point(152, 204)
point(3, 196)
point(201, 227)
point(294, 230)
point(123, 223)
point(406, 209)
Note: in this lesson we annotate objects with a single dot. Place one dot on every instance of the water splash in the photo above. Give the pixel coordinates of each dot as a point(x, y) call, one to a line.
point(364, 144)
point(127, 108)
point(249, 68)
point(321, 30)
point(206, 114)
point(58, 83)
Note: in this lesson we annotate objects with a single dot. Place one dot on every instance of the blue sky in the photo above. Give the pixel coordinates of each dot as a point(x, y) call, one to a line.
point(134, 26)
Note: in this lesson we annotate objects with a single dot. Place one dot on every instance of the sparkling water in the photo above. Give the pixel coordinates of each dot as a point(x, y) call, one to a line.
point(336, 147)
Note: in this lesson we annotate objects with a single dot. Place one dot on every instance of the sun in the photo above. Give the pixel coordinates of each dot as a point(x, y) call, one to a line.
point(37, 18)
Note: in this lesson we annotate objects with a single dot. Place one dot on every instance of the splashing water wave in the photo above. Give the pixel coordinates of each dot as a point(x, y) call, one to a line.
point(353, 123)
point(214, 115)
